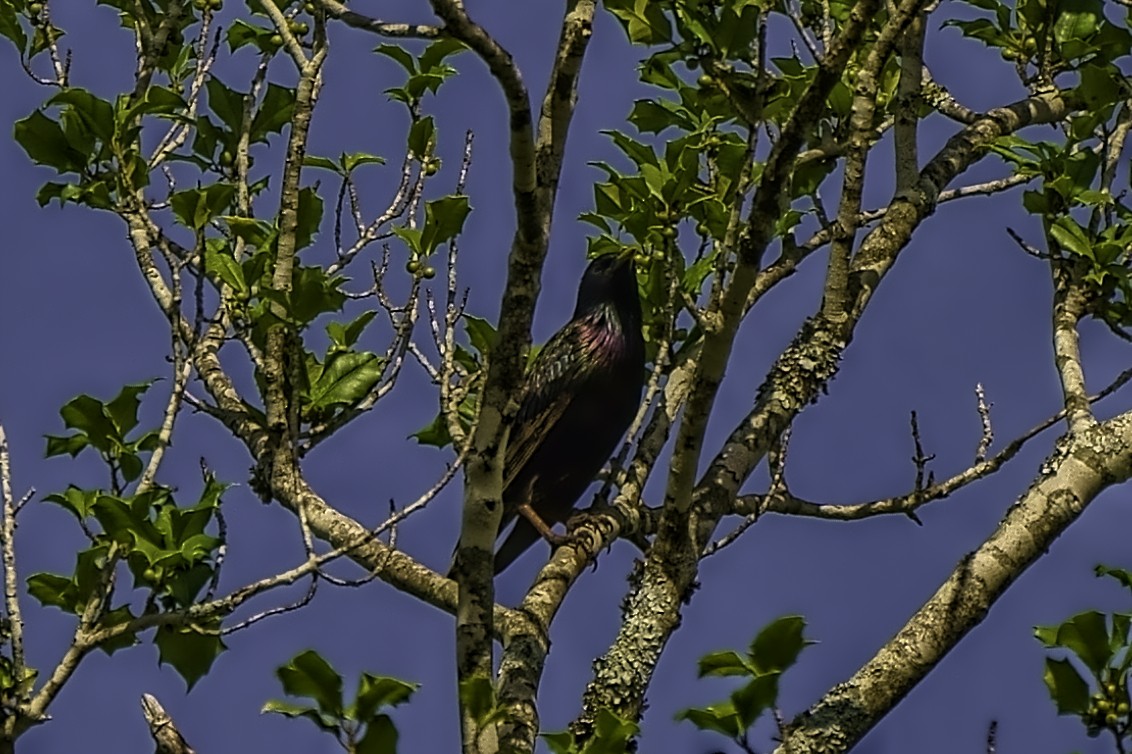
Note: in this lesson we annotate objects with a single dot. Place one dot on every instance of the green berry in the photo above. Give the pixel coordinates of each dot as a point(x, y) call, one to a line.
point(431, 167)
point(1110, 719)
point(276, 39)
point(428, 273)
point(412, 267)
point(702, 230)
point(668, 231)
point(705, 80)
point(1122, 708)
point(35, 8)
point(227, 158)
point(1103, 705)
point(1110, 689)
point(309, 7)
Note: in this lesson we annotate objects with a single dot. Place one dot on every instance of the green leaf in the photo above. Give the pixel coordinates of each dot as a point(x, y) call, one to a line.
point(290, 709)
point(345, 336)
point(654, 116)
point(194, 208)
point(1121, 575)
point(123, 408)
point(71, 445)
point(352, 160)
point(325, 163)
point(77, 501)
point(274, 112)
point(411, 237)
point(436, 52)
point(96, 114)
point(641, 154)
point(241, 34)
point(254, 232)
point(611, 734)
point(223, 266)
point(723, 663)
point(190, 652)
point(754, 698)
point(721, 718)
point(400, 54)
point(53, 590)
point(1086, 634)
point(643, 20)
point(421, 136)
point(309, 216)
point(309, 675)
point(444, 219)
point(477, 697)
point(184, 587)
point(481, 333)
point(380, 737)
point(314, 293)
point(376, 692)
point(1071, 237)
point(346, 378)
point(1077, 20)
point(89, 416)
point(227, 104)
point(561, 742)
point(1066, 687)
point(11, 28)
point(45, 143)
point(435, 433)
point(778, 644)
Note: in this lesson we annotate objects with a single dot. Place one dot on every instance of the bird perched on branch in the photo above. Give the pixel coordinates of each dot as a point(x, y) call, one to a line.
point(577, 400)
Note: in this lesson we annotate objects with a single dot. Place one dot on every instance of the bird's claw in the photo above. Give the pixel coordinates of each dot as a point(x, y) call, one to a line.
point(556, 540)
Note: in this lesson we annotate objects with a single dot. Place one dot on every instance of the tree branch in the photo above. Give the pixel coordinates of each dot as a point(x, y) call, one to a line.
point(1082, 465)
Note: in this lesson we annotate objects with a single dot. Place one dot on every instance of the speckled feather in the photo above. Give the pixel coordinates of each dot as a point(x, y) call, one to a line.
point(579, 397)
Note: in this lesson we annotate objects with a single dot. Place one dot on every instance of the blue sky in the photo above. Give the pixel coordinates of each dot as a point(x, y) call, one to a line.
point(964, 305)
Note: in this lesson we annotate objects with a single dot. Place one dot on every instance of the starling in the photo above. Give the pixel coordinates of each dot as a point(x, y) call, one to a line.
point(577, 400)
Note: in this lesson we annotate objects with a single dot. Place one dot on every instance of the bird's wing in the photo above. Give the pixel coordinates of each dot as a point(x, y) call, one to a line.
point(547, 393)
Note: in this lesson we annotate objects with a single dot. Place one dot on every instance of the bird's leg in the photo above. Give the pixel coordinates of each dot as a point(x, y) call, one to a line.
point(556, 540)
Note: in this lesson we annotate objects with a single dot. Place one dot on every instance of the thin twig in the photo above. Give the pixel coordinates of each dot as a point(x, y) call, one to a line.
point(984, 418)
point(11, 575)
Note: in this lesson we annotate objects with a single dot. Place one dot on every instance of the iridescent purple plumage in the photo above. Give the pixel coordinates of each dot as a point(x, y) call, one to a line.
point(579, 397)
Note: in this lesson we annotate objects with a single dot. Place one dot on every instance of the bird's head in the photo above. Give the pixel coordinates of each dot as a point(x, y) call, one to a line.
point(610, 279)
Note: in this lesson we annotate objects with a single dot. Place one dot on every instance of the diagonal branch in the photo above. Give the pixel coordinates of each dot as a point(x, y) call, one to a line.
point(1081, 467)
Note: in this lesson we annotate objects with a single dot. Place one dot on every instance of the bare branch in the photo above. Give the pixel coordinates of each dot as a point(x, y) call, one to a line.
point(337, 10)
point(165, 734)
point(1068, 309)
point(1081, 466)
point(984, 418)
point(13, 614)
